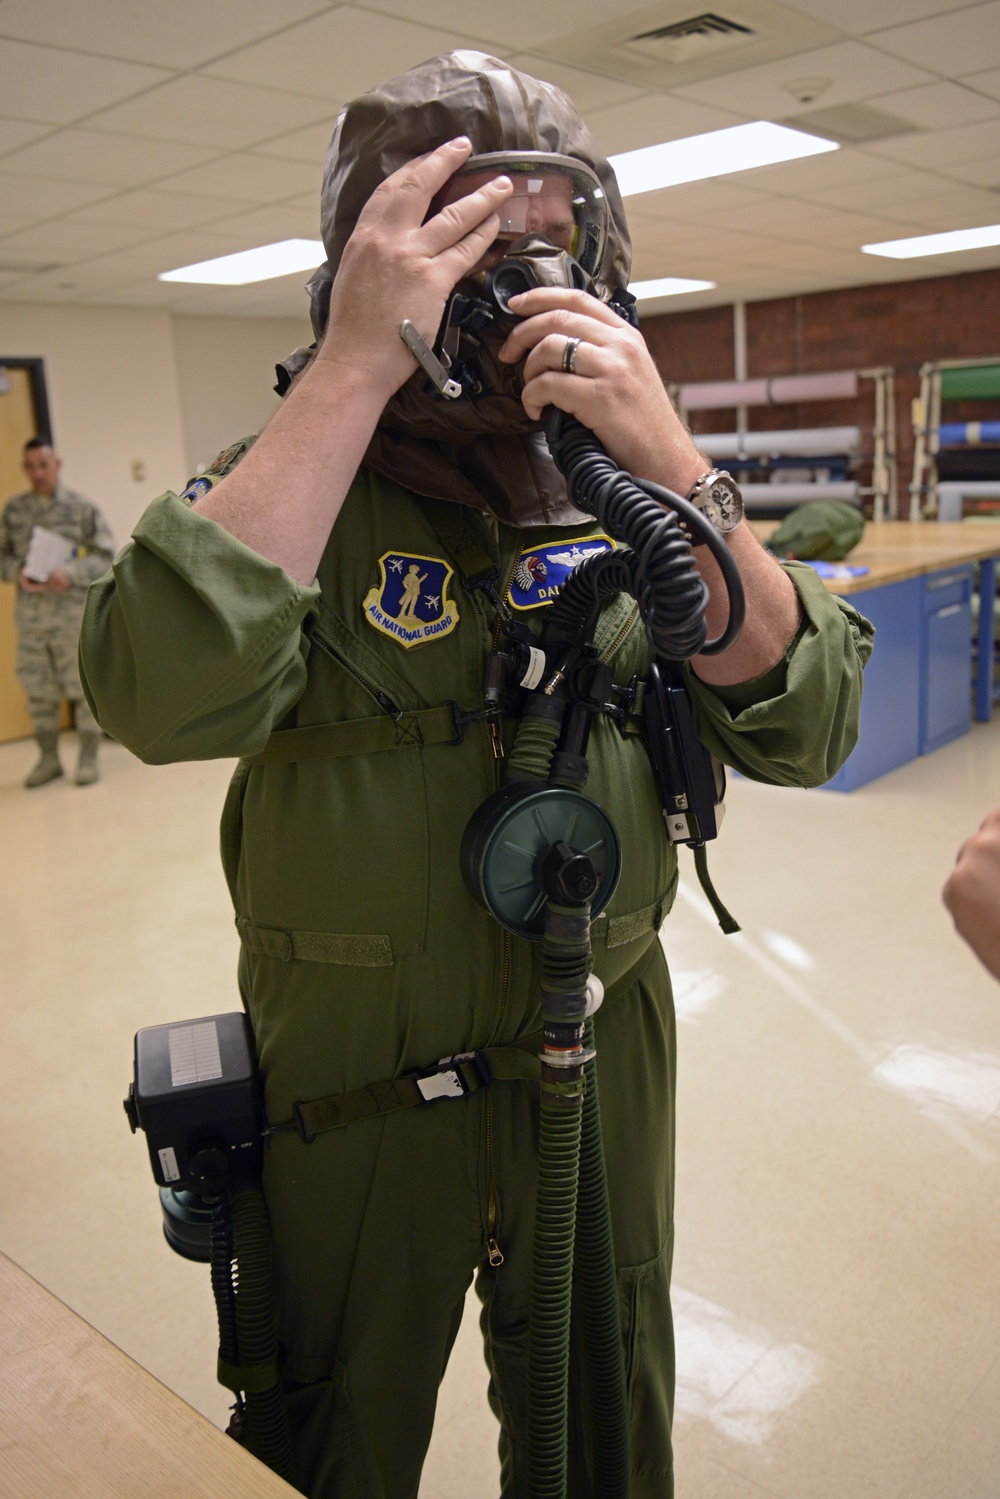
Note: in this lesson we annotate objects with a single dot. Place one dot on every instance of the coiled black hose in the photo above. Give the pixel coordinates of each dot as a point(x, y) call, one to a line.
point(661, 573)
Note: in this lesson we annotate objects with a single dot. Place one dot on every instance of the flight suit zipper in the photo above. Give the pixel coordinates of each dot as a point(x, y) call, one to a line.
point(325, 644)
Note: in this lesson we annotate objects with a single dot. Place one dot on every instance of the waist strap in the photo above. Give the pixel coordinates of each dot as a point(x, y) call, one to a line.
point(451, 1077)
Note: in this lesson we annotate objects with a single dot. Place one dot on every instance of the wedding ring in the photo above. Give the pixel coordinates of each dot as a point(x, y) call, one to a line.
point(569, 356)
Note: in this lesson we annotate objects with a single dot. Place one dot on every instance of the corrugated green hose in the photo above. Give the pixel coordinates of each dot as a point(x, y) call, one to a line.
point(267, 1422)
point(596, 1303)
point(534, 746)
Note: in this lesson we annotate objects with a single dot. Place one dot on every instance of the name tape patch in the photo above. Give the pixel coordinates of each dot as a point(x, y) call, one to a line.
point(542, 570)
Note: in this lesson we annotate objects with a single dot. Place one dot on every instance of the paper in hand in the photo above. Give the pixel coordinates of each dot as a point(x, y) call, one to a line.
point(47, 550)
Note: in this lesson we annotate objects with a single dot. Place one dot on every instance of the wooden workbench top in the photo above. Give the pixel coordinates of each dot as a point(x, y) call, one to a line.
point(895, 550)
point(80, 1418)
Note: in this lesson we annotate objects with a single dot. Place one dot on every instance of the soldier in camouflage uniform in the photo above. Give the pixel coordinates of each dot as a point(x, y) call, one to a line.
point(48, 614)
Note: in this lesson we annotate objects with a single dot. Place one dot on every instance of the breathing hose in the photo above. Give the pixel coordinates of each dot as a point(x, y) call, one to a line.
point(267, 1420)
point(659, 526)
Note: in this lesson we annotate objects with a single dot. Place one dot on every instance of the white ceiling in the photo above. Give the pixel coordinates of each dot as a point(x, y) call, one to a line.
point(136, 138)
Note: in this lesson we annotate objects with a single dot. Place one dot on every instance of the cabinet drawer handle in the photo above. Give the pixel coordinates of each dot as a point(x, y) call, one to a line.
point(951, 609)
point(948, 581)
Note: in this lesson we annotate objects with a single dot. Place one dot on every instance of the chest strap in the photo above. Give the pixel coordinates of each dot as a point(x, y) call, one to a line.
point(451, 1077)
point(366, 736)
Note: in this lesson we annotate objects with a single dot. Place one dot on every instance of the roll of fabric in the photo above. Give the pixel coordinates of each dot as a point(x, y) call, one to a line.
point(778, 390)
point(798, 442)
point(968, 434)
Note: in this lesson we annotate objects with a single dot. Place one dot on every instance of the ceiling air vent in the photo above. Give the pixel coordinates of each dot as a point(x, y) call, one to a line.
point(697, 36)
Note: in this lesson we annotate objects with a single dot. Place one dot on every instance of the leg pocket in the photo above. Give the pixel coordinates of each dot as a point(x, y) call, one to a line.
point(330, 1459)
point(648, 1334)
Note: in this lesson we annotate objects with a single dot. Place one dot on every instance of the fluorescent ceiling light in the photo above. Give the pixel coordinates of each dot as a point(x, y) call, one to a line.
point(715, 154)
point(936, 244)
point(667, 286)
point(262, 264)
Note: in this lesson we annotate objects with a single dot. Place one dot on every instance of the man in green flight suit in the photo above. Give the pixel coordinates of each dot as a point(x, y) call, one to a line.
point(268, 619)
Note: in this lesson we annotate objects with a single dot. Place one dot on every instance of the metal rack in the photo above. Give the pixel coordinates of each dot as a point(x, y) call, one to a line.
point(943, 380)
point(837, 450)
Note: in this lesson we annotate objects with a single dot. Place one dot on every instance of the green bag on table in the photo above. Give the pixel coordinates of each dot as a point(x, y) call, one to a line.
point(820, 531)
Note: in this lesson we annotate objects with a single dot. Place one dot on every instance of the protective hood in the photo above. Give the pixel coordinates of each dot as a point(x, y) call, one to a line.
point(482, 452)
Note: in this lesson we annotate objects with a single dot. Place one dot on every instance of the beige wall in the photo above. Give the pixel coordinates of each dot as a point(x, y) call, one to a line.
point(133, 385)
point(226, 377)
point(113, 399)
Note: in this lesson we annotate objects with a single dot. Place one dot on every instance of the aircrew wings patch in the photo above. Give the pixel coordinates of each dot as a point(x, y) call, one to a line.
point(542, 570)
point(410, 602)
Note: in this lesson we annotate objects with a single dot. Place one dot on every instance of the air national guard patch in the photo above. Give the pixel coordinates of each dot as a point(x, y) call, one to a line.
point(542, 570)
point(195, 490)
point(410, 604)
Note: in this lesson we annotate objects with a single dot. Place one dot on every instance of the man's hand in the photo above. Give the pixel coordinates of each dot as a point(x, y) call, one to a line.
point(29, 585)
point(615, 388)
point(59, 580)
point(396, 266)
point(972, 893)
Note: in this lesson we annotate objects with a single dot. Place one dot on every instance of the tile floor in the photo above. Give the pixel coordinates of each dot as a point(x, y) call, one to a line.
point(837, 1284)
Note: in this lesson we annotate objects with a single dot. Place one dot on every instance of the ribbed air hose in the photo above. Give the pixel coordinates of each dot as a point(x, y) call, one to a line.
point(596, 1303)
point(221, 1249)
point(267, 1421)
point(663, 577)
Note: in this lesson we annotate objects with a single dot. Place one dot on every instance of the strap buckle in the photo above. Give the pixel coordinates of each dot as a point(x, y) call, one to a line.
point(628, 705)
point(462, 720)
point(446, 1080)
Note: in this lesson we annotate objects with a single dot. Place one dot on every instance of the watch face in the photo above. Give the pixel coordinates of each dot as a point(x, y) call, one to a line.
point(723, 504)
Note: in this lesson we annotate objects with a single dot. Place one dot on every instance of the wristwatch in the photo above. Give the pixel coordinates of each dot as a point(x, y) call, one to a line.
point(717, 495)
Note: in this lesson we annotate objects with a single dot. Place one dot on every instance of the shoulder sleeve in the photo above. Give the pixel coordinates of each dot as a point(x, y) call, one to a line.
point(191, 646)
point(97, 547)
point(9, 564)
point(796, 724)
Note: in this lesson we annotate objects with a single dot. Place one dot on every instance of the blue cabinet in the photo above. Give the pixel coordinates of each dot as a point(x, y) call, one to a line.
point(946, 644)
point(892, 697)
point(918, 685)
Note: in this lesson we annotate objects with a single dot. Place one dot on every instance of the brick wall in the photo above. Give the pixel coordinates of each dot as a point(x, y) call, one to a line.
point(902, 324)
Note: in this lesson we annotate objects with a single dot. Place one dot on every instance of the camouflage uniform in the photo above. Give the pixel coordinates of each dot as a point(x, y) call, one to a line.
point(48, 624)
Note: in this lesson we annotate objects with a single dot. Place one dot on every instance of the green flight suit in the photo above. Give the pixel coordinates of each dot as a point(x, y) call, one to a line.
point(364, 956)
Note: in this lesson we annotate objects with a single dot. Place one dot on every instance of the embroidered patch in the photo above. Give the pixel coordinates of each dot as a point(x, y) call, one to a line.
point(541, 571)
point(195, 490)
point(410, 603)
point(228, 457)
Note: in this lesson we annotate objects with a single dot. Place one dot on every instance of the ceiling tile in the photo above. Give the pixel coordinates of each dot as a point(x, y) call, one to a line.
point(963, 208)
point(983, 172)
point(338, 54)
point(653, 118)
point(179, 35)
point(933, 148)
point(10, 225)
point(211, 112)
point(849, 164)
point(166, 211)
point(857, 72)
point(938, 106)
point(986, 83)
point(133, 294)
point(17, 133)
point(92, 156)
point(851, 230)
point(49, 84)
point(774, 216)
point(265, 226)
point(525, 22)
point(588, 91)
point(42, 198)
point(66, 243)
point(691, 200)
point(307, 145)
point(904, 186)
point(862, 16)
point(259, 179)
point(959, 41)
